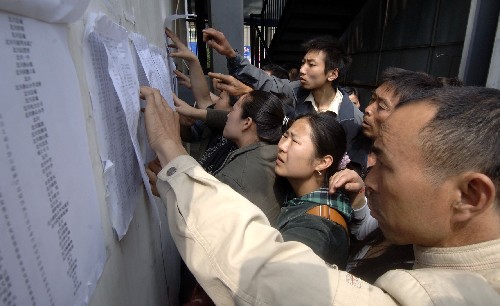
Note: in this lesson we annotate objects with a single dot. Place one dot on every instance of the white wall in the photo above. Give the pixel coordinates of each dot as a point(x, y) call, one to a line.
point(142, 268)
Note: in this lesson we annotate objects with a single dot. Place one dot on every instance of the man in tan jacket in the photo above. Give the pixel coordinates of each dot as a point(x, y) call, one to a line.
point(435, 185)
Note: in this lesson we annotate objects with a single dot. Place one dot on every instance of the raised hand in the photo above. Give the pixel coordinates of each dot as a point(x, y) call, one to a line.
point(351, 182)
point(197, 78)
point(230, 84)
point(183, 51)
point(183, 79)
point(219, 42)
point(162, 126)
point(184, 109)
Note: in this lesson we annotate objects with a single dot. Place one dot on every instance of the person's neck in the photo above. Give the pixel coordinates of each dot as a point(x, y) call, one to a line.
point(246, 140)
point(481, 229)
point(324, 95)
point(302, 187)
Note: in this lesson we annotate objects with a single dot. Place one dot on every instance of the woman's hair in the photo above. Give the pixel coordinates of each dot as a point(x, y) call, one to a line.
point(328, 138)
point(266, 110)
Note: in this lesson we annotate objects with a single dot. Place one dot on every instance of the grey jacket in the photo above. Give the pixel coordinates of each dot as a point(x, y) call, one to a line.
point(250, 172)
point(349, 116)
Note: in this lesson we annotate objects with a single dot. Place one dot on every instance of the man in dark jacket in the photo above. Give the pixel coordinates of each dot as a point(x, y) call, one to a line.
point(316, 90)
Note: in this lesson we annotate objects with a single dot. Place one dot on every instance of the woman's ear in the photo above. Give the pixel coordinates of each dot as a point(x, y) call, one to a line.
point(323, 163)
point(477, 194)
point(247, 123)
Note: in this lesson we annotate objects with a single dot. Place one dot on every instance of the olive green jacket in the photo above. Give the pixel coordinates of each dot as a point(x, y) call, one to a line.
point(250, 172)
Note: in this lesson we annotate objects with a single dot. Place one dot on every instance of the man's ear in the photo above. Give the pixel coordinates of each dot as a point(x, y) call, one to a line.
point(323, 163)
point(477, 194)
point(332, 74)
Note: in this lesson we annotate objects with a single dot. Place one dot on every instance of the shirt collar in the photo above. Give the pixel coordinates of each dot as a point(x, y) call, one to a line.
point(334, 104)
point(475, 257)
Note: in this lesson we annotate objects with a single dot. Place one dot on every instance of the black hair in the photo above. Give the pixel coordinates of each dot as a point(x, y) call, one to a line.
point(266, 110)
point(276, 70)
point(335, 54)
point(464, 134)
point(450, 81)
point(350, 90)
point(407, 84)
point(328, 137)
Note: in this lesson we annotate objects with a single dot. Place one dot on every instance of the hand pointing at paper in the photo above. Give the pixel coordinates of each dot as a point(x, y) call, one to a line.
point(162, 126)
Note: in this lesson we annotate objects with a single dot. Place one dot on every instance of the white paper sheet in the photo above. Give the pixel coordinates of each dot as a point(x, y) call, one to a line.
point(147, 153)
point(152, 78)
point(113, 83)
point(121, 170)
point(166, 67)
point(52, 11)
point(51, 241)
point(154, 67)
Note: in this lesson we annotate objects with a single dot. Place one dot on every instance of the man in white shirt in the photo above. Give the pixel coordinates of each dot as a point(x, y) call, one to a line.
point(317, 89)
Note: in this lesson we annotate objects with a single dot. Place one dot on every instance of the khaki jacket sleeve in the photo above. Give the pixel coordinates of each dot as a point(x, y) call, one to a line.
point(238, 258)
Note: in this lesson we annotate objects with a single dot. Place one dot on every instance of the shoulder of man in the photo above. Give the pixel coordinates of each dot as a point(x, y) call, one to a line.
point(302, 107)
point(300, 93)
point(348, 111)
point(433, 286)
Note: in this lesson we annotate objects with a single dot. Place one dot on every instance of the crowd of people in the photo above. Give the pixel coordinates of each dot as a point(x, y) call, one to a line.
point(296, 197)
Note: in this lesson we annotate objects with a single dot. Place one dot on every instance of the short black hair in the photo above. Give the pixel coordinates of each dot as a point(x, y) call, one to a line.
point(335, 54)
point(409, 85)
point(454, 81)
point(464, 135)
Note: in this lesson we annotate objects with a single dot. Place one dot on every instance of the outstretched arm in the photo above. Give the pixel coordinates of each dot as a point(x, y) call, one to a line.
point(229, 84)
point(214, 119)
point(219, 42)
point(185, 81)
point(240, 68)
point(187, 110)
point(198, 82)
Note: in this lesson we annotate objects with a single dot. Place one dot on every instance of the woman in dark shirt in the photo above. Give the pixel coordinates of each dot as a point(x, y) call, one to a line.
point(309, 152)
